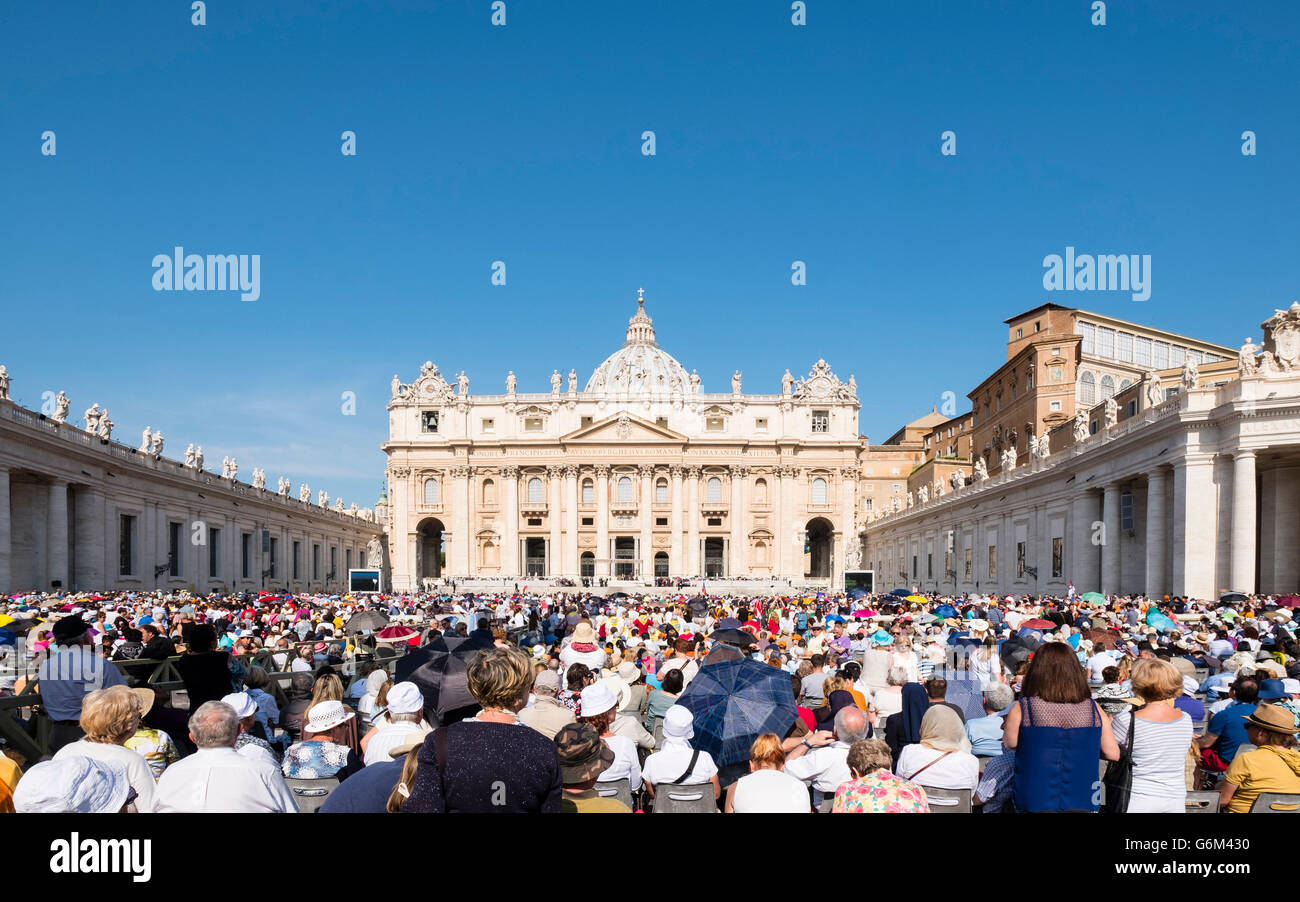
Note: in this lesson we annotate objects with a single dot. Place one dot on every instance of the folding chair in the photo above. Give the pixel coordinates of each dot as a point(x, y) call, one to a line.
point(1202, 802)
point(311, 794)
point(1276, 803)
point(948, 801)
point(617, 789)
point(683, 798)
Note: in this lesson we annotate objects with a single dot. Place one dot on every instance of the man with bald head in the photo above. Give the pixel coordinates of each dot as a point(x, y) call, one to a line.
point(821, 760)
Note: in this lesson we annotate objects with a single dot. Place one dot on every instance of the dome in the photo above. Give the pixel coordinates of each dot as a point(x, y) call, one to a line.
point(640, 367)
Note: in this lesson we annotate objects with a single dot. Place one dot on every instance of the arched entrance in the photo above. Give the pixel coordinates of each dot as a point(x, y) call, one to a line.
point(430, 549)
point(817, 548)
point(661, 565)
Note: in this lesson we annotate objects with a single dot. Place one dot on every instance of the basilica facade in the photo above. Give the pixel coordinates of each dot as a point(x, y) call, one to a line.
point(637, 475)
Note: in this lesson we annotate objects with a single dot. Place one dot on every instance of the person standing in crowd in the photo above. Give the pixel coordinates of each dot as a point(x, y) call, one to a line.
point(1059, 733)
point(1158, 736)
point(109, 717)
point(67, 677)
point(217, 779)
point(491, 763)
point(205, 670)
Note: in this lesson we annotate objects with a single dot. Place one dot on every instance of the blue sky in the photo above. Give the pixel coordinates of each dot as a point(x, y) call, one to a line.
point(522, 144)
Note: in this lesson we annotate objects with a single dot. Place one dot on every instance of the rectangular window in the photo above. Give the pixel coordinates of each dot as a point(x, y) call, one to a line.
point(662, 422)
point(347, 559)
point(661, 521)
point(315, 561)
point(1020, 333)
point(913, 566)
point(1125, 510)
point(993, 562)
point(585, 421)
point(661, 493)
point(714, 521)
point(588, 521)
point(821, 421)
point(1142, 351)
point(334, 562)
point(1020, 560)
point(1089, 333)
point(929, 565)
point(1194, 356)
point(867, 506)
point(1054, 406)
point(1057, 374)
point(1058, 556)
point(1160, 355)
point(1131, 407)
point(532, 424)
point(760, 424)
point(1124, 349)
point(214, 552)
point(245, 555)
point(1105, 342)
point(534, 521)
point(174, 549)
point(1177, 355)
point(489, 425)
point(968, 564)
point(126, 545)
point(713, 424)
point(429, 421)
point(588, 493)
point(297, 559)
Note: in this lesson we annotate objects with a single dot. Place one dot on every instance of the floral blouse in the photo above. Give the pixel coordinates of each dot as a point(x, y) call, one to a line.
point(314, 759)
point(881, 792)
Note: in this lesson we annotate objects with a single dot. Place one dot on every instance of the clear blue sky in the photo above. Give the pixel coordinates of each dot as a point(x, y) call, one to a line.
point(522, 144)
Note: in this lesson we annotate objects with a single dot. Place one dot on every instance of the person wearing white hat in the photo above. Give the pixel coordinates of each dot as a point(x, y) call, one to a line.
point(599, 706)
point(249, 744)
point(405, 722)
point(74, 785)
point(217, 778)
point(323, 752)
point(677, 761)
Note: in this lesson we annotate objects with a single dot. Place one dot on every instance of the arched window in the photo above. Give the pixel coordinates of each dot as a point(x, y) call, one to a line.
point(489, 491)
point(760, 553)
point(714, 488)
point(625, 488)
point(588, 492)
point(661, 492)
point(1125, 384)
point(1107, 387)
point(1087, 389)
point(431, 494)
point(760, 492)
point(819, 491)
point(536, 494)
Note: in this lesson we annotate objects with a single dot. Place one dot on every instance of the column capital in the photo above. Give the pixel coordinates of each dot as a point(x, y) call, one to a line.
point(602, 471)
point(510, 472)
point(694, 471)
point(738, 471)
point(676, 470)
point(645, 471)
point(1244, 453)
point(554, 471)
point(570, 471)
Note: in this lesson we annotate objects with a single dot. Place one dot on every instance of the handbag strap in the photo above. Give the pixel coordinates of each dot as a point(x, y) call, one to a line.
point(931, 764)
point(695, 755)
point(1132, 734)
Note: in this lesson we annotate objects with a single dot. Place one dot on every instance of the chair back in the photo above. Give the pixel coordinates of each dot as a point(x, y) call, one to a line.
point(1200, 674)
point(948, 801)
point(616, 789)
point(827, 805)
point(683, 798)
point(311, 794)
point(1202, 802)
point(658, 732)
point(1276, 803)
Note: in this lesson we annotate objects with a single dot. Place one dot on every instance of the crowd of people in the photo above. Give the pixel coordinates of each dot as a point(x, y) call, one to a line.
point(577, 702)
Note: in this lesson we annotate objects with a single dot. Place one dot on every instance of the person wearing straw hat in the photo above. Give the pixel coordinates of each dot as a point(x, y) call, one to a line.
point(1272, 767)
point(323, 752)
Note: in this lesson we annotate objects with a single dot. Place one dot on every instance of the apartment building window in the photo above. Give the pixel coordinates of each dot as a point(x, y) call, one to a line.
point(1054, 406)
point(1126, 510)
point(1020, 333)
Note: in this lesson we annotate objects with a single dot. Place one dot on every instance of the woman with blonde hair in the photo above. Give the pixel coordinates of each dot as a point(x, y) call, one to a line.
point(109, 717)
point(402, 791)
point(767, 789)
point(329, 688)
point(1158, 736)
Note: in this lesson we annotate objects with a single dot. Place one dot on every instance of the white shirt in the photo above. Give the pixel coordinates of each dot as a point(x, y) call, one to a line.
point(770, 792)
point(959, 770)
point(222, 780)
point(626, 763)
point(138, 773)
point(299, 666)
point(1099, 662)
point(667, 765)
point(390, 737)
point(824, 768)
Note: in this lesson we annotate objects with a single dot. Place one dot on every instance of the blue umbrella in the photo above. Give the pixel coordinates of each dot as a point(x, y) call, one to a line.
point(945, 610)
point(901, 593)
point(857, 592)
point(736, 701)
point(834, 618)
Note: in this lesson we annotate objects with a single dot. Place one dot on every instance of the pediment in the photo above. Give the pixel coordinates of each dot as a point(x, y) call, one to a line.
point(621, 429)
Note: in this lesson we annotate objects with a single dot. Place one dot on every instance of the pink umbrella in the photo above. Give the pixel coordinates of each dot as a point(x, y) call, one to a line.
point(1289, 601)
point(396, 633)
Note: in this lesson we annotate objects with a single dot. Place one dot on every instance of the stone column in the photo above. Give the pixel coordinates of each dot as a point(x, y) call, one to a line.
point(58, 535)
point(603, 552)
point(1157, 533)
point(1286, 530)
point(1110, 547)
point(1082, 565)
point(675, 563)
point(89, 539)
point(458, 556)
point(553, 516)
point(1243, 522)
point(779, 528)
point(6, 533)
point(693, 521)
point(647, 552)
point(736, 558)
point(510, 565)
point(848, 527)
point(571, 521)
point(1193, 516)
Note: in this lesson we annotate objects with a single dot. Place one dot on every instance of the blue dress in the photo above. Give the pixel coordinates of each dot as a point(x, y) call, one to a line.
point(1057, 756)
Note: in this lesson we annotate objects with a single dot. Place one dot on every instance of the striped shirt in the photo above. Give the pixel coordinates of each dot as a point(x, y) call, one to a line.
point(1159, 759)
